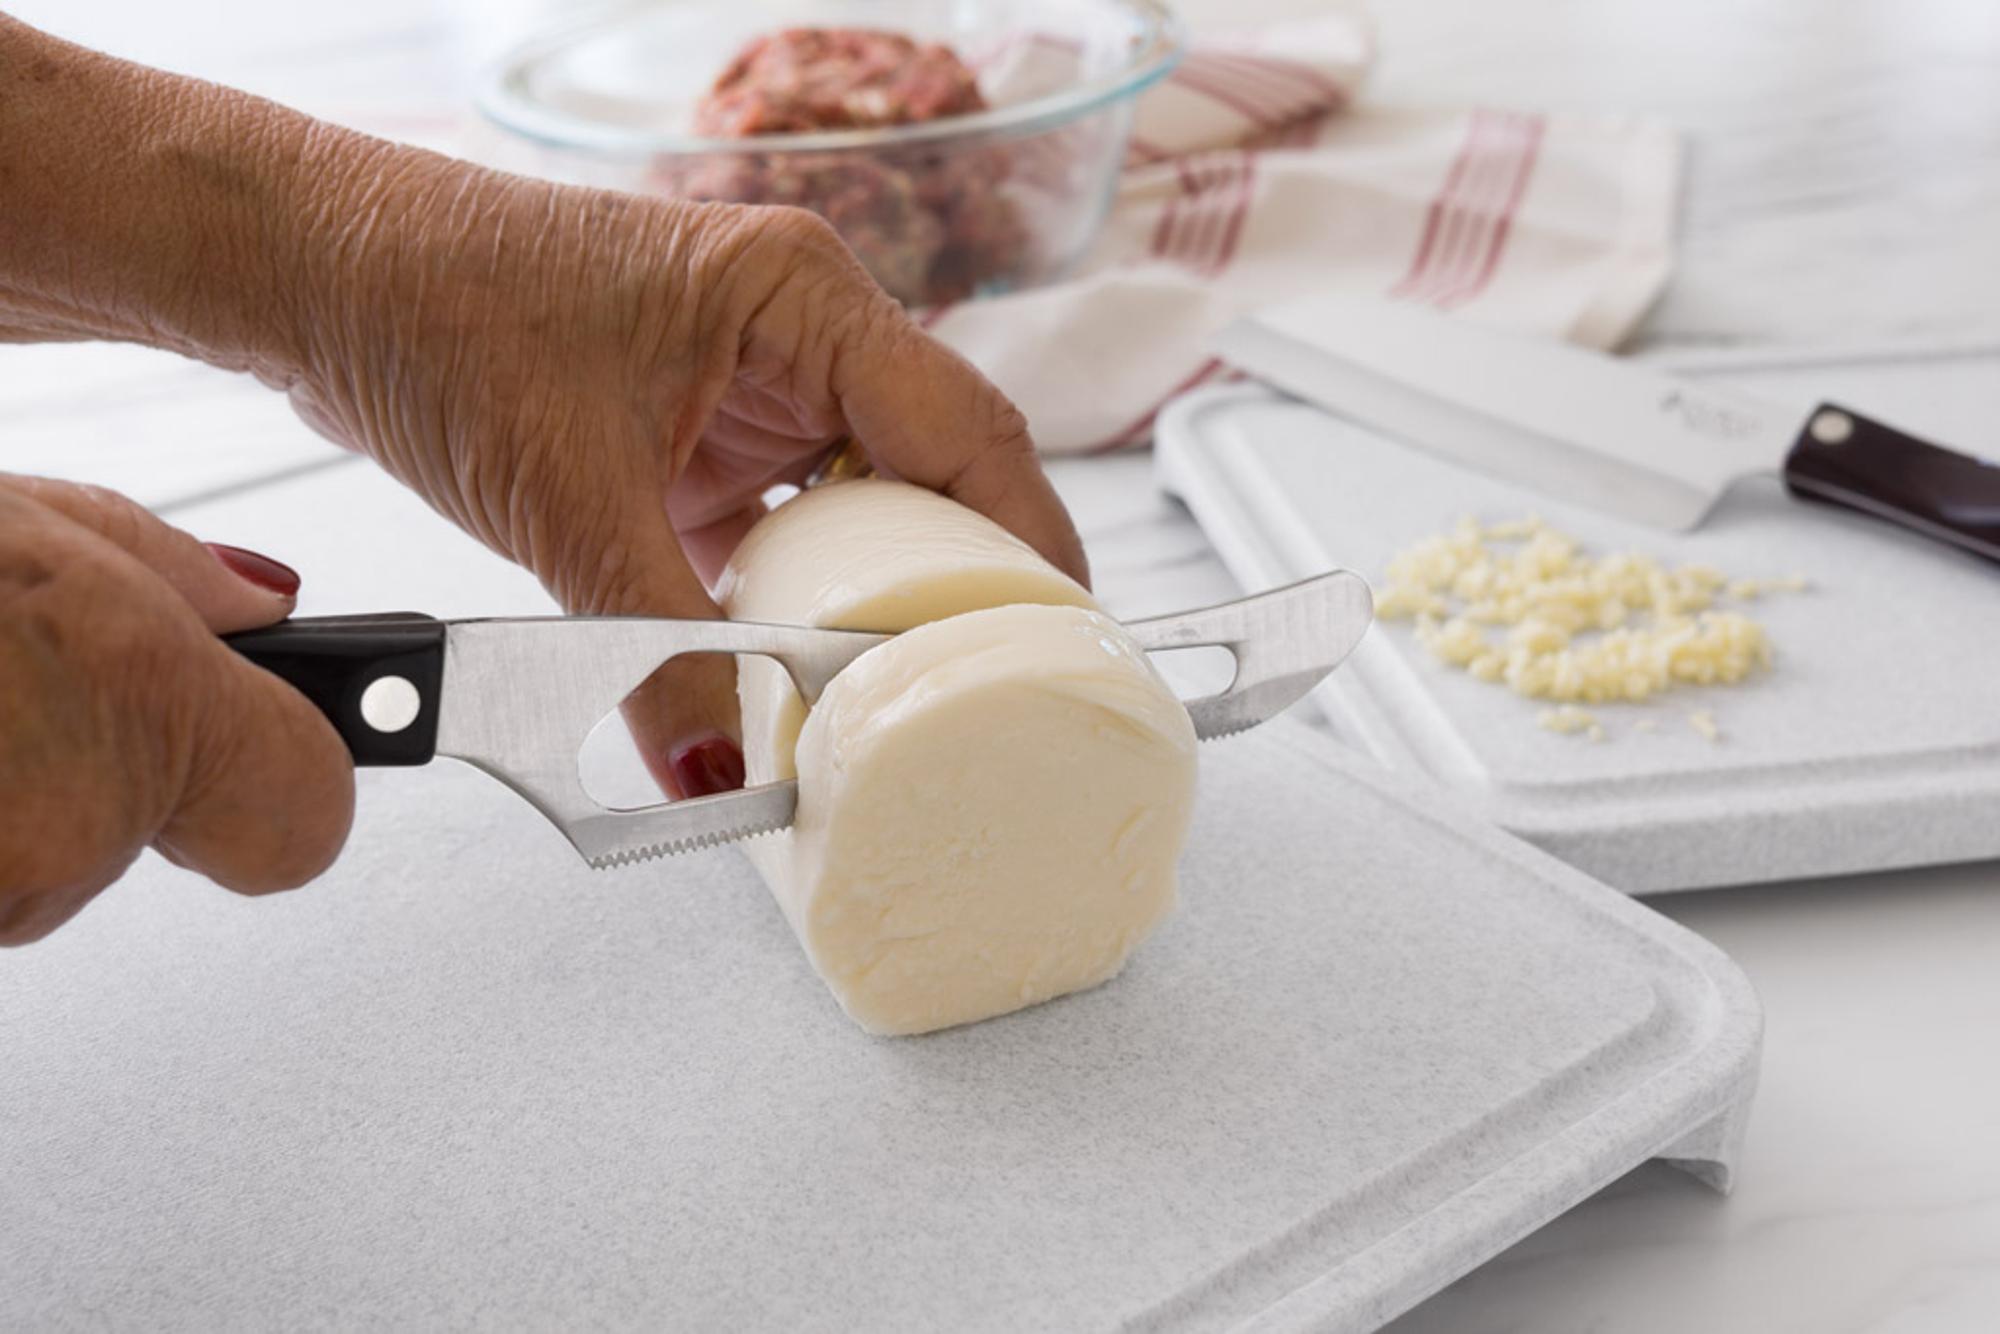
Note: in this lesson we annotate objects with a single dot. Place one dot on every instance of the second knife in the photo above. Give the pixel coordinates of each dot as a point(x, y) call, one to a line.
point(1597, 431)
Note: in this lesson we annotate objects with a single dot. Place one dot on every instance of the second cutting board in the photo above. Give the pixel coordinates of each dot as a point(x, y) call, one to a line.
point(1873, 743)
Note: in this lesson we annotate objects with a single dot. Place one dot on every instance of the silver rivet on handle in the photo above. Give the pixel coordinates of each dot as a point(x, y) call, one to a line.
point(1831, 427)
point(391, 703)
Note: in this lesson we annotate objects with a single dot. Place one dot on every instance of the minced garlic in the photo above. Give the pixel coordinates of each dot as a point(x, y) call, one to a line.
point(1519, 604)
point(1748, 590)
point(1570, 718)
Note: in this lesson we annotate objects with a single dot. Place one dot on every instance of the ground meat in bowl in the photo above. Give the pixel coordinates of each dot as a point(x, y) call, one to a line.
point(932, 223)
point(835, 79)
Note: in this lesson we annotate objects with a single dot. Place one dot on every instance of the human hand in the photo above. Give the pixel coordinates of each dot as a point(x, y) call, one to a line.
point(602, 387)
point(130, 724)
point(598, 386)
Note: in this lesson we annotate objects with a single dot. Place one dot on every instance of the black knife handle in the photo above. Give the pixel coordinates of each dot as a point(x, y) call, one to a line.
point(1844, 458)
point(364, 673)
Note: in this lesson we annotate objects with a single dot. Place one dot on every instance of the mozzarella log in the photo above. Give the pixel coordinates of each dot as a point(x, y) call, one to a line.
point(992, 804)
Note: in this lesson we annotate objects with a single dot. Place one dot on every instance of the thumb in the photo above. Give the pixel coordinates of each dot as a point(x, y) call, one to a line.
point(684, 716)
point(230, 588)
point(141, 726)
point(927, 416)
point(269, 794)
point(269, 788)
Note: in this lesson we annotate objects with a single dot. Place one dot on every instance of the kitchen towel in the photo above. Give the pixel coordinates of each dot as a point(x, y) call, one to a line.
point(1256, 173)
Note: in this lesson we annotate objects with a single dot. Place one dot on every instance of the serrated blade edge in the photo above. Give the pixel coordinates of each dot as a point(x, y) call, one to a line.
point(620, 838)
point(612, 861)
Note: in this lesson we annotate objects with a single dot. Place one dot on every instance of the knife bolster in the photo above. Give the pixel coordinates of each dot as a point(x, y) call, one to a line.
point(377, 678)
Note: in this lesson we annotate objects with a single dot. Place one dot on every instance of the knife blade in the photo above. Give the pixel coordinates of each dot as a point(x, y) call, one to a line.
point(516, 698)
point(1597, 431)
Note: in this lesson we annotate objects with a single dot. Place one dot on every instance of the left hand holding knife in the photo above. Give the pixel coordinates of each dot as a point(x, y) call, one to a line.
point(129, 724)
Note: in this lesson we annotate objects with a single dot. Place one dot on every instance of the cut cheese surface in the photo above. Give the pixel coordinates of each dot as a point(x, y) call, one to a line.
point(991, 805)
point(884, 556)
point(873, 555)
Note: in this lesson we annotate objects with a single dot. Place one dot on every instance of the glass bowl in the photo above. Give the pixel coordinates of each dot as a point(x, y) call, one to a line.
point(942, 210)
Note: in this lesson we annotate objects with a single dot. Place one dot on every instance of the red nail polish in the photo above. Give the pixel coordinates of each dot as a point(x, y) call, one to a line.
point(253, 568)
point(711, 765)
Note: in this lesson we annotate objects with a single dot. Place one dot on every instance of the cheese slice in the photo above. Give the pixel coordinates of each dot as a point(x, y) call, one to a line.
point(991, 805)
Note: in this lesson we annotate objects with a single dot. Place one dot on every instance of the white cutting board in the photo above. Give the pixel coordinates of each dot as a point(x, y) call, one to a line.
point(465, 1081)
point(1874, 743)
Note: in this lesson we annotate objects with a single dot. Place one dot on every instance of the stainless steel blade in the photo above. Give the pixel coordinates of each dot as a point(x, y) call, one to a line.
point(521, 696)
point(1573, 424)
point(501, 714)
point(1285, 642)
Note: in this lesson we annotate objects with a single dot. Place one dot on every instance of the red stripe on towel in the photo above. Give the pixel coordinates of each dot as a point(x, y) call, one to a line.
point(1434, 213)
point(1480, 191)
point(1532, 129)
point(1229, 95)
point(1323, 86)
point(1250, 85)
point(1305, 91)
point(1246, 190)
point(1467, 222)
point(1217, 173)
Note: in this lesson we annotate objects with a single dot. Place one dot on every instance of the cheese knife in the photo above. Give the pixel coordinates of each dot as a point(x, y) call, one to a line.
point(518, 697)
point(1598, 431)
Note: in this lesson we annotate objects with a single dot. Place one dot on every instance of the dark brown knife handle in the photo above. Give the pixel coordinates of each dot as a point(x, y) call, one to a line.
point(1844, 458)
point(378, 679)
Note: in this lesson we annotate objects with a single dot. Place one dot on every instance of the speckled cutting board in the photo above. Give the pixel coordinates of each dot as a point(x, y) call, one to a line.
point(1874, 743)
point(465, 1082)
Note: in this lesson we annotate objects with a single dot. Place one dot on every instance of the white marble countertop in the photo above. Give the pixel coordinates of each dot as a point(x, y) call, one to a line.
point(1844, 189)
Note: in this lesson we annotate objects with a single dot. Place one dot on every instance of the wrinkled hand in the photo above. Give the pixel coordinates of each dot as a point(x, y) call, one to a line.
point(598, 386)
point(601, 387)
point(129, 724)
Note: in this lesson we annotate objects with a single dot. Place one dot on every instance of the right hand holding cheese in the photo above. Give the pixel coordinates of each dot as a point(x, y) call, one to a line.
point(597, 385)
point(991, 805)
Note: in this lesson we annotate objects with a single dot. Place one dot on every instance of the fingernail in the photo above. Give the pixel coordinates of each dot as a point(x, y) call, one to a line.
point(260, 570)
point(711, 765)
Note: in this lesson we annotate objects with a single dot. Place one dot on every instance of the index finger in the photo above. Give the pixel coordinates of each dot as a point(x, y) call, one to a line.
point(926, 415)
point(225, 598)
